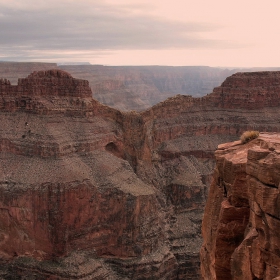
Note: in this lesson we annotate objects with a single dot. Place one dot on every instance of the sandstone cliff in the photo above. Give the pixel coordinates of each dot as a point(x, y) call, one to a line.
point(241, 220)
point(90, 192)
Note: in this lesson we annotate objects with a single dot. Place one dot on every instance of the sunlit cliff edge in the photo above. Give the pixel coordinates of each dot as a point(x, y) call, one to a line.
point(242, 215)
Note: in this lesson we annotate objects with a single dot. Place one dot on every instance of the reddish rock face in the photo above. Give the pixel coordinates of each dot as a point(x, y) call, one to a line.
point(111, 193)
point(241, 221)
point(53, 215)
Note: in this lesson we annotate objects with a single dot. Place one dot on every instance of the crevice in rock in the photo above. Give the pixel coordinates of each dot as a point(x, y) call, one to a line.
point(272, 216)
point(112, 148)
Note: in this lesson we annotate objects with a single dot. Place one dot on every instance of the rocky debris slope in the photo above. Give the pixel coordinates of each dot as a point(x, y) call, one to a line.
point(110, 194)
point(241, 220)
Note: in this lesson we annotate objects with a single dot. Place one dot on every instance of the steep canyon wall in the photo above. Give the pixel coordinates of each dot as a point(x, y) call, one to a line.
point(241, 220)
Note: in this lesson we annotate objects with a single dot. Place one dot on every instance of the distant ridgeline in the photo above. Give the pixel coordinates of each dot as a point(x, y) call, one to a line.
point(133, 87)
point(241, 90)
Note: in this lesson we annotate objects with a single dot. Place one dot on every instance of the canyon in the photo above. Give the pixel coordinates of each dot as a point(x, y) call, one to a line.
point(91, 192)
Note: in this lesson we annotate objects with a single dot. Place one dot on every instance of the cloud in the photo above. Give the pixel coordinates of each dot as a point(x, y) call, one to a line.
point(30, 27)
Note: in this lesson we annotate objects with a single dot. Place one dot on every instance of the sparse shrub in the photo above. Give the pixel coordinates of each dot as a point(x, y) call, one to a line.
point(249, 135)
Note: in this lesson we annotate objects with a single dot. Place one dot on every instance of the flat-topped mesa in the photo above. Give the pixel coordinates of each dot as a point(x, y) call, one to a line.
point(247, 90)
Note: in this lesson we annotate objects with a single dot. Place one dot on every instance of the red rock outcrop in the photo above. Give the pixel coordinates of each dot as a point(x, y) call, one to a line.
point(241, 220)
point(104, 192)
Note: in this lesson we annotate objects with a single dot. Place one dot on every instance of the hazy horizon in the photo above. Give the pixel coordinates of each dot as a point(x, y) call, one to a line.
point(140, 32)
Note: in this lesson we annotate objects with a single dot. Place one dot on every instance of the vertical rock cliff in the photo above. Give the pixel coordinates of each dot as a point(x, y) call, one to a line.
point(241, 221)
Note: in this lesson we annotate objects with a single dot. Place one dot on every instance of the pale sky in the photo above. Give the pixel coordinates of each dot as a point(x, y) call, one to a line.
point(142, 32)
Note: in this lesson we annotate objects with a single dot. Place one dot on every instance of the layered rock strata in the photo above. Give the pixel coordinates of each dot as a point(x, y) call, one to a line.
point(111, 194)
point(241, 220)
